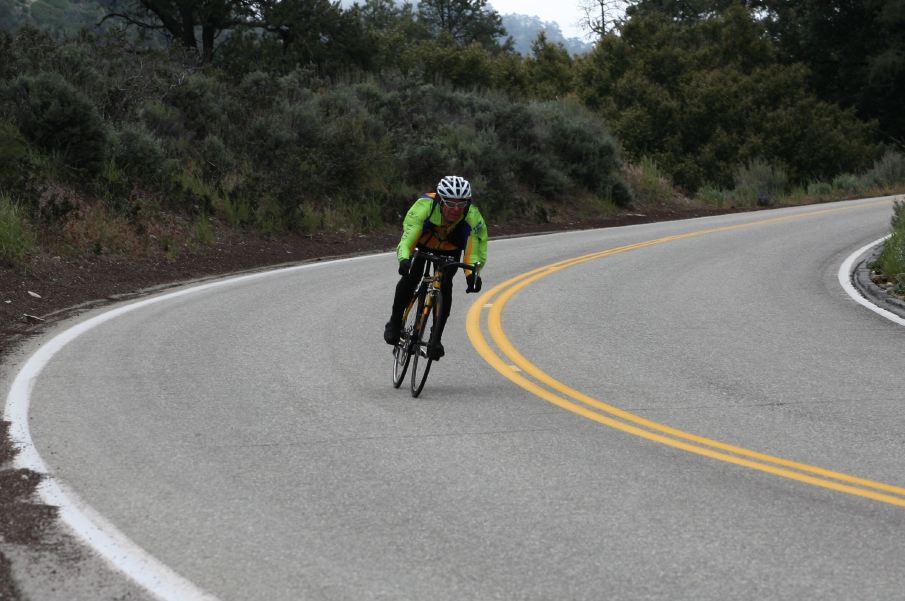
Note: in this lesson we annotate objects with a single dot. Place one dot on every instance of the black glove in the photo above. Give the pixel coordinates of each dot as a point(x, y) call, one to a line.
point(405, 265)
point(474, 283)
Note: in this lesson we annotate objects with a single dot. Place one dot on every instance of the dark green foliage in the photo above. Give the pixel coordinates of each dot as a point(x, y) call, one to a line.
point(57, 118)
point(889, 170)
point(163, 120)
point(203, 103)
point(16, 240)
point(550, 69)
point(465, 21)
point(217, 160)
point(15, 162)
point(313, 116)
point(854, 50)
point(28, 52)
point(580, 146)
point(137, 152)
point(891, 261)
point(703, 98)
point(17, 170)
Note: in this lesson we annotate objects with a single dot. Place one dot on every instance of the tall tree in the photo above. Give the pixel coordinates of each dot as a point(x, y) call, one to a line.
point(550, 69)
point(394, 30)
point(686, 10)
point(854, 48)
point(181, 19)
point(600, 17)
point(702, 98)
point(466, 21)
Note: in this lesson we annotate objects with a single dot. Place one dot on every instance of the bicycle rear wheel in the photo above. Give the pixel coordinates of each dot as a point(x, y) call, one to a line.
point(402, 352)
point(421, 363)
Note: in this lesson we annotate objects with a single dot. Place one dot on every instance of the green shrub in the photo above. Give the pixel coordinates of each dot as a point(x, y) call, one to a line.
point(759, 182)
point(139, 153)
point(649, 184)
point(820, 189)
point(235, 209)
point(202, 230)
point(891, 261)
point(203, 103)
point(216, 159)
point(712, 196)
point(847, 183)
point(258, 87)
point(76, 62)
point(164, 120)
point(56, 117)
point(15, 162)
point(578, 144)
point(16, 240)
point(31, 52)
point(888, 171)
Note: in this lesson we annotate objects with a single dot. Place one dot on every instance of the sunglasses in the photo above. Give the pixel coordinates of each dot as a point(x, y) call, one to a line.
point(455, 204)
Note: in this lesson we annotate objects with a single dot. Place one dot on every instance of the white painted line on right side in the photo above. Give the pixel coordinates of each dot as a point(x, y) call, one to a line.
point(845, 280)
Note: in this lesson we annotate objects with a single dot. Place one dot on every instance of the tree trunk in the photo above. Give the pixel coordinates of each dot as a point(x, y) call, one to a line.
point(188, 26)
point(207, 43)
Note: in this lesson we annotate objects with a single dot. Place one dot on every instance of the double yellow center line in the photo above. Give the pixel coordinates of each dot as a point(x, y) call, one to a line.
point(489, 309)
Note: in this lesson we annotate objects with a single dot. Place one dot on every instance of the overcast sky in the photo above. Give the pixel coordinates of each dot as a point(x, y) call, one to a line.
point(565, 12)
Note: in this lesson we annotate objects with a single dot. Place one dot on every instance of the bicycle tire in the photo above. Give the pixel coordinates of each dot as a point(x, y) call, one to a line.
point(402, 352)
point(421, 348)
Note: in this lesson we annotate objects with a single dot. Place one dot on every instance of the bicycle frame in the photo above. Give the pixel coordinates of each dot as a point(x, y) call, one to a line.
point(427, 298)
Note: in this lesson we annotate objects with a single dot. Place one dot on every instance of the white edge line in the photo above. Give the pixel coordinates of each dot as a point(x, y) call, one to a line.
point(845, 280)
point(114, 546)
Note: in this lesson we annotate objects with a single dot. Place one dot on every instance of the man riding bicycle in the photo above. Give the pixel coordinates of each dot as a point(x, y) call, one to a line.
point(445, 223)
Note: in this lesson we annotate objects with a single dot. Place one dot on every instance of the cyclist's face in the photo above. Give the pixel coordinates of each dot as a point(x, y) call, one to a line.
point(452, 210)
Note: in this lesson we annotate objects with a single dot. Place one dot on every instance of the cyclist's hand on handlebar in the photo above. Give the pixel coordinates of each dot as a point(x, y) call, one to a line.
point(405, 265)
point(474, 283)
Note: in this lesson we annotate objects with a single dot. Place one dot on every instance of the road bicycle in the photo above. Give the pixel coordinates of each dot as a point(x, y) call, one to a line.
point(421, 321)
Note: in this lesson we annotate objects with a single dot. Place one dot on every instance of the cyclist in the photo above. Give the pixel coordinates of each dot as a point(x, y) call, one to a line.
point(446, 223)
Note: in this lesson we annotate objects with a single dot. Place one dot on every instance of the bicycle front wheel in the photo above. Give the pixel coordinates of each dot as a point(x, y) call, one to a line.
point(421, 363)
point(402, 352)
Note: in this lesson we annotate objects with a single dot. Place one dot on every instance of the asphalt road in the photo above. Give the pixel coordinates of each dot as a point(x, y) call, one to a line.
point(248, 436)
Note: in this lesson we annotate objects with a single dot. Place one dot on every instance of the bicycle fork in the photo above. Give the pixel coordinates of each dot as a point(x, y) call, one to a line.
point(429, 305)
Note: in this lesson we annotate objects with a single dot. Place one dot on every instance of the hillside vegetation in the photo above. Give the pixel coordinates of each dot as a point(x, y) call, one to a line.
point(298, 116)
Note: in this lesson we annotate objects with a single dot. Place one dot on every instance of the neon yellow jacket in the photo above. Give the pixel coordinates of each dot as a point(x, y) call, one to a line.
point(423, 226)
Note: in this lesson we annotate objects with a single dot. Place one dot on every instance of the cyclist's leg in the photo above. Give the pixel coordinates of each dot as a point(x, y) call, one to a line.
point(446, 292)
point(405, 288)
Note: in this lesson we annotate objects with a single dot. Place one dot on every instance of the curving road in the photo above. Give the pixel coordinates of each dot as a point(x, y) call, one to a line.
point(248, 437)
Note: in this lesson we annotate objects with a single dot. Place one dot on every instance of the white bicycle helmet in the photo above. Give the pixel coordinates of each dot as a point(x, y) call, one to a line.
point(453, 187)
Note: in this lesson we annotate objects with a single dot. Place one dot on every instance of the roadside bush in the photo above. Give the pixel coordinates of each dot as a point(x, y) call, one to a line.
point(259, 88)
point(891, 261)
point(55, 116)
point(820, 189)
point(887, 171)
point(712, 196)
point(15, 163)
point(579, 147)
point(139, 153)
point(216, 160)
point(422, 160)
point(75, 62)
point(16, 240)
point(759, 182)
point(649, 184)
point(31, 52)
point(847, 183)
point(203, 103)
point(161, 119)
